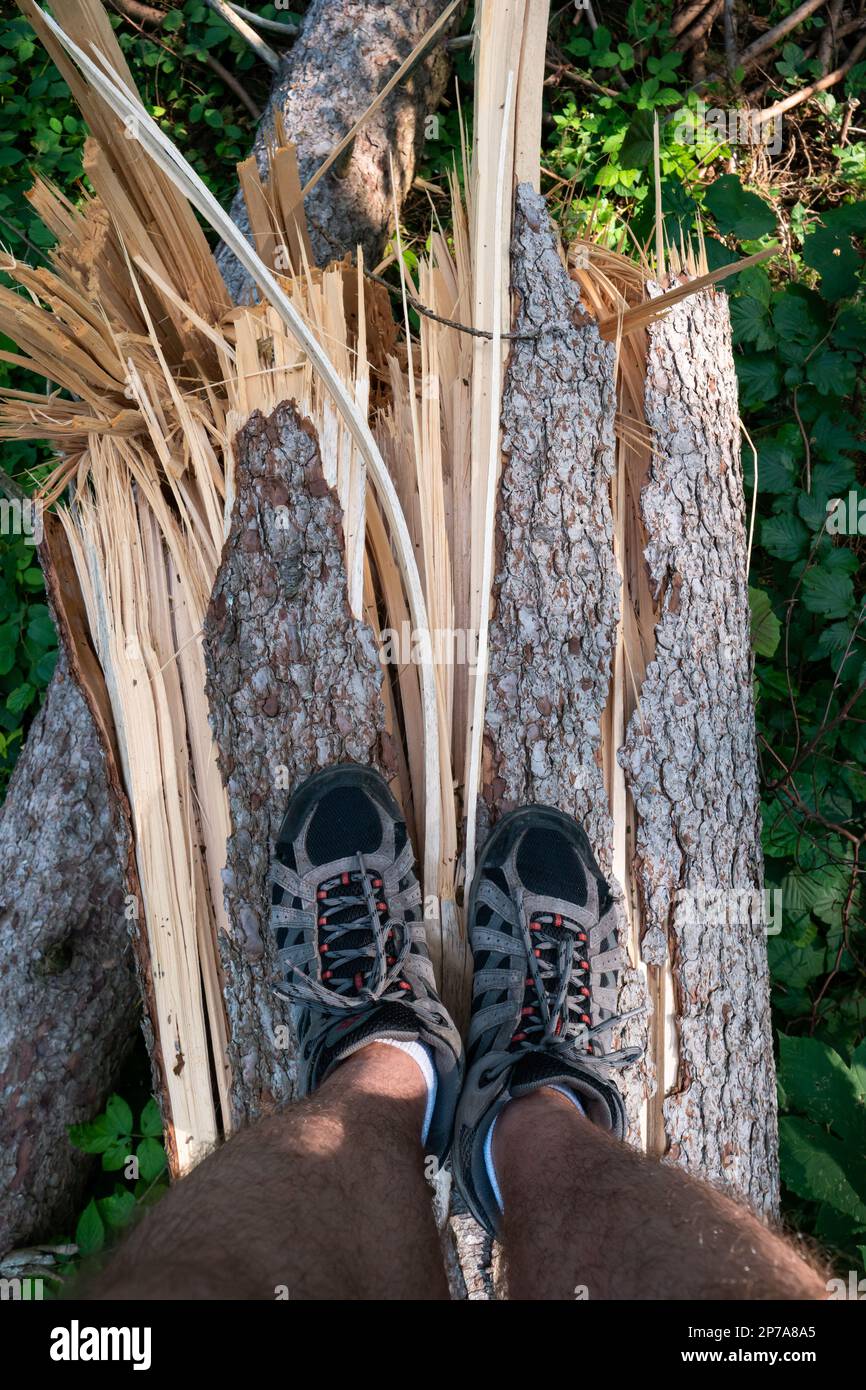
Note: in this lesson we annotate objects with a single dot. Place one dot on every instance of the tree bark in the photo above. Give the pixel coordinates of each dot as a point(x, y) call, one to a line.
point(344, 55)
point(690, 754)
point(294, 683)
point(70, 1000)
point(691, 763)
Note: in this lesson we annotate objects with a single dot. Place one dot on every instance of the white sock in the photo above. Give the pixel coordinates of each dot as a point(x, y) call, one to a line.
point(488, 1142)
point(423, 1055)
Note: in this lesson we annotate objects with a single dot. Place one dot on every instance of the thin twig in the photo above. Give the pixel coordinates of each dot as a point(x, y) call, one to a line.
point(795, 99)
point(240, 26)
point(687, 15)
point(234, 85)
point(731, 37)
point(778, 31)
point(452, 323)
point(270, 26)
point(145, 14)
point(14, 491)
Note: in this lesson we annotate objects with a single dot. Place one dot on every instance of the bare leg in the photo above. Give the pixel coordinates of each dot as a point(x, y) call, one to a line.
point(583, 1210)
point(326, 1200)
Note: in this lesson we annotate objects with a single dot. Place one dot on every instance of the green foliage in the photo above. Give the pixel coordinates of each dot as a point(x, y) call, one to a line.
point(41, 129)
point(799, 329)
point(138, 1153)
point(28, 646)
point(823, 1144)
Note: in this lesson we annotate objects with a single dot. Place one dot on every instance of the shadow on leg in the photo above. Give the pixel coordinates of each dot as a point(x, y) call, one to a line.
point(326, 1200)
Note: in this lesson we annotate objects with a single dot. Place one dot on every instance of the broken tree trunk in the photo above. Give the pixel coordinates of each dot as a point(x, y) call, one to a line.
point(65, 853)
point(691, 764)
point(371, 37)
point(690, 757)
point(556, 589)
point(70, 1000)
point(294, 683)
point(344, 55)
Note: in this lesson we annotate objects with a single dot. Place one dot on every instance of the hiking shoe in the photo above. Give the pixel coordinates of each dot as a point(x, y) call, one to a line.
point(351, 951)
point(542, 929)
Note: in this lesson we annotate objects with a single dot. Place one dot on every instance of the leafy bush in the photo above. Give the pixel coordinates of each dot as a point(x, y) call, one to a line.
point(41, 127)
point(138, 1154)
point(800, 337)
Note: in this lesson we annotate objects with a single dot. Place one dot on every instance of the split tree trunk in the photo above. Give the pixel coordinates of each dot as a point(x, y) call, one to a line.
point(344, 54)
point(690, 755)
point(691, 764)
point(294, 683)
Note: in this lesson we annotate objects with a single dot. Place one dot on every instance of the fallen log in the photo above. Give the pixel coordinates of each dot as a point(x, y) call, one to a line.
point(42, 1195)
point(342, 57)
point(294, 682)
point(691, 765)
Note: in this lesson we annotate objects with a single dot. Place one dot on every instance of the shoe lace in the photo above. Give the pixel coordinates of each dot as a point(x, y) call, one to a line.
point(553, 1017)
point(364, 944)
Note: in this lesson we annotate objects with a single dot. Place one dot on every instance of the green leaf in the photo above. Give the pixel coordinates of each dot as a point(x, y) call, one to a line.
point(90, 1232)
point(760, 378)
point(9, 155)
point(40, 628)
point(794, 966)
point(781, 833)
point(813, 1166)
point(777, 459)
point(151, 1159)
point(832, 435)
point(766, 629)
point(795, 319)
point(833, 480)
point(738, 212)
point(756, 283)
point(785, 537)
point(151, 1120)
point(818, 1082)
point(636, 151)
point(20, 698)
point(827, 592)
point(831, 253)
point(91, 1138)
point(850, 328)
point(751, 323)
point(117, 1210)
point(118, 1151)
point(118, 1116)
point(832, 373)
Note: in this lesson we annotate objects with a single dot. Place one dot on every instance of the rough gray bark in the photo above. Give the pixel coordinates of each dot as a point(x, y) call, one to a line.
point(556, 590)
point(294, 683)
point(556, 587)
point(691, 765)
point(70, 999)
point(344, 55)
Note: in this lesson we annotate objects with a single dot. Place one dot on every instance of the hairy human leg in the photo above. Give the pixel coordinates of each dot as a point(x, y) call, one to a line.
point(585, 1211)
point(326, 1200)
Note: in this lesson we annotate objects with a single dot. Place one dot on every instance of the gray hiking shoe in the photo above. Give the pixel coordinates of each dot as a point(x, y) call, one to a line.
point(351, 951)
point(541, 925)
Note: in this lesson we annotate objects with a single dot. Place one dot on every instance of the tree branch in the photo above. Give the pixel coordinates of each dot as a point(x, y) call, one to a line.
point(240, 26)
point(796, 98)
point(234, 85)
point(778, 31)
